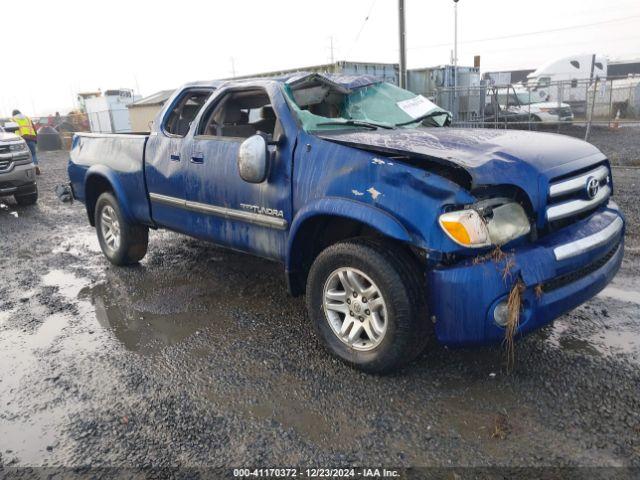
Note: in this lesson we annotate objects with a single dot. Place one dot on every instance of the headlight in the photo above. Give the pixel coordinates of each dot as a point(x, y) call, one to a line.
point(18, 147)
point(485, 225)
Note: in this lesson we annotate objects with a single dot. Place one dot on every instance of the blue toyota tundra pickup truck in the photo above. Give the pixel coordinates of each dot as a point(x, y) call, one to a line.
point(395, 226)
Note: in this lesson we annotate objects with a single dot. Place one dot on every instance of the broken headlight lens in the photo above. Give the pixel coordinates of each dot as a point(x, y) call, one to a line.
point(485, 226)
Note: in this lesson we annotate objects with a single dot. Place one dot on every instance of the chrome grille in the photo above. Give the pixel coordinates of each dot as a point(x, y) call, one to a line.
point(578, 194)
point(4, 165)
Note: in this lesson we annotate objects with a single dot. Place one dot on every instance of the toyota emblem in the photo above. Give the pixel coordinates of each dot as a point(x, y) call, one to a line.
point(593, 185)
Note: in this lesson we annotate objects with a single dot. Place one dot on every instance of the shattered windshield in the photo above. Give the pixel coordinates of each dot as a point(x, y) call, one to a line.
point(323, 106)
point(515, 98)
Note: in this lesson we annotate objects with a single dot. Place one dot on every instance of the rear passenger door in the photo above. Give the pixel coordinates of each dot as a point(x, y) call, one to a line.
point(252, 217)
point(165, 164)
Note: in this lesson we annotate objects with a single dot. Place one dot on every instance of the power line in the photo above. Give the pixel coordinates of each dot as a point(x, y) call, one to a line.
point(373, 4)
point(541, 47)
point(525, 34)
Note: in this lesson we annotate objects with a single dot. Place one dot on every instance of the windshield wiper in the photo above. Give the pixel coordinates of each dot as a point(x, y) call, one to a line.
point(356, 123)
point(422, 118)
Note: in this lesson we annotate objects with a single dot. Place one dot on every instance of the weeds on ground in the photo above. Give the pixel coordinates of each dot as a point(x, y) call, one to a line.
point(501, 426)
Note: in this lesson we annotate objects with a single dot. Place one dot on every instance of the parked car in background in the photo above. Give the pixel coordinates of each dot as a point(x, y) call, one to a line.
point(395, 228)
point(17, 171)
point(523, 101)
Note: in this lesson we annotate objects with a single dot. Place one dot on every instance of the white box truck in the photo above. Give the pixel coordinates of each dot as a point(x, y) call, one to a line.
point(566, 79)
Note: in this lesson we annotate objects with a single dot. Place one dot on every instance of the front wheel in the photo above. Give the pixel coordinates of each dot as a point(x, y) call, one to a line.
point(365, 300)
point(27, 199)
point(122, 242)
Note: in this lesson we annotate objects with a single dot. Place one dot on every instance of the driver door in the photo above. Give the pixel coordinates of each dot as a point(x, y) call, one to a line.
point(228, 210)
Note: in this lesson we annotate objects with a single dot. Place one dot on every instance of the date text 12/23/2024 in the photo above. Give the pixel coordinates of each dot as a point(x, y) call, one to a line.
point(315, 473)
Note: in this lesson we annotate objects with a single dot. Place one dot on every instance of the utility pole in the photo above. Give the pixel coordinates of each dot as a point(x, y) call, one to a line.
point(455, 56)
point(455, 34)
point(135, 78)
point(331, 48)
point(402, 80)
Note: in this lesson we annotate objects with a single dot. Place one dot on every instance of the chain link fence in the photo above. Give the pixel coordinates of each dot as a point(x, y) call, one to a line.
point(573, 107)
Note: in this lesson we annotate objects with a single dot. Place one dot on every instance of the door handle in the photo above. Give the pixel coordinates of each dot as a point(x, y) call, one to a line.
point(197, 158)
point(175, 157)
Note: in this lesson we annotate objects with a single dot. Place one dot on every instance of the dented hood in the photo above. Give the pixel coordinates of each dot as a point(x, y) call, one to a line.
point(489, 157)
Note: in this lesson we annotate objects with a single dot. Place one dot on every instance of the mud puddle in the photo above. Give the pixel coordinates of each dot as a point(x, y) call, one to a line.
point(180, 322)
point(621, 294)
point(137, 329)
point(27, 367)
point(30, 437)
point(605, 336)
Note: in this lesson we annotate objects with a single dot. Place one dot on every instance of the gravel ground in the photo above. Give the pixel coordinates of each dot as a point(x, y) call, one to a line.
point(198, 357)
point(620, 145)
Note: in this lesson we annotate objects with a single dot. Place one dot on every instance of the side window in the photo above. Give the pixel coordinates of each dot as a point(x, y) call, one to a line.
point(544, 82)
point(185, 110)
point(575, 64)
point(241, 115)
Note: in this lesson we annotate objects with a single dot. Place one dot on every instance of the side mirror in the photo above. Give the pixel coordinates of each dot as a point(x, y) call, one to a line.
point(253, 159)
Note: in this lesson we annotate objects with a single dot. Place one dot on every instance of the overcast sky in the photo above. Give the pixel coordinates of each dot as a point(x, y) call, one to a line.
point(65, 47)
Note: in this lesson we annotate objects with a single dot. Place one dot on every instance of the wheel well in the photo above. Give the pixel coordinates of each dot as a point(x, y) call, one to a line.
point(96, 186)
point(319, 233)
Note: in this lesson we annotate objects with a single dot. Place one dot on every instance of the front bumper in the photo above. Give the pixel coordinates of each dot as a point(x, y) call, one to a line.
point(560, 271)
point(18, 178)
point(554, 117)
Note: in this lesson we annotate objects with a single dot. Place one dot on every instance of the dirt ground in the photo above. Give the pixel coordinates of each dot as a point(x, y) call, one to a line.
point(198, 357)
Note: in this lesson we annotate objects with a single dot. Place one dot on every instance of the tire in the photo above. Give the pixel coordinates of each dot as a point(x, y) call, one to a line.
point(536, 123)
point(131, 240)
point(27, 199)
point(394, 274)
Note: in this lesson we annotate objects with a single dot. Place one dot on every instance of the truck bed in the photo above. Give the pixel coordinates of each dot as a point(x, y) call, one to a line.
point(118, 158)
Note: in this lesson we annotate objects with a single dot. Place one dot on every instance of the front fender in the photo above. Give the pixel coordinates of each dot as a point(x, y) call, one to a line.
point(366, 214)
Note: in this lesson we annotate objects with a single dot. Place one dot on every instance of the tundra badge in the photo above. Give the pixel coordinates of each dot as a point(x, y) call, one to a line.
point(263, 210)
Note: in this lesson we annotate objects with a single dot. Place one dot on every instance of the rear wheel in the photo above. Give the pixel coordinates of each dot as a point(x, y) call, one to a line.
point(27, 199)
point(365, 301)
point(122, 242)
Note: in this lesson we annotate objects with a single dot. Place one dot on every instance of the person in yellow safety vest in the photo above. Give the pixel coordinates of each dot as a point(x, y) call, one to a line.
point(28, 132)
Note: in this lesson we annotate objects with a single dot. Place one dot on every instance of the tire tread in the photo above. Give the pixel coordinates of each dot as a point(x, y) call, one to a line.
point(134, 238)
point(411, 319)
